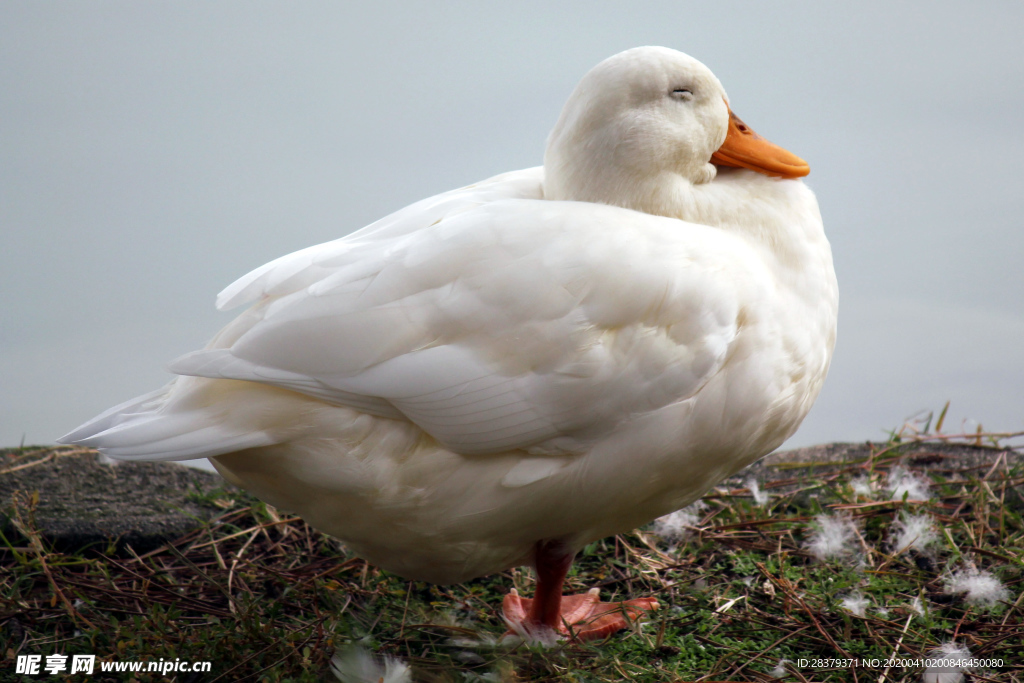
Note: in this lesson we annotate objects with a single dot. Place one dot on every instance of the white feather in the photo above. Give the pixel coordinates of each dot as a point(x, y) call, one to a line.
point(357, 666)
point(952, 662)
point(679, 525)
point(832, 537)
point(760, 497)
point(978, 587)
point(902, 482)
point(913, 532)
point(779, 671)
point(862, 487)
point(856, 604)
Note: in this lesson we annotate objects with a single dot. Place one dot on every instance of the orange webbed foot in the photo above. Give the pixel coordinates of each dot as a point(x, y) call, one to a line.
point(583, 617)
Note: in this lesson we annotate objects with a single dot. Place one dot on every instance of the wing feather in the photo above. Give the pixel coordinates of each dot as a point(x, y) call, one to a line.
point(511, 324)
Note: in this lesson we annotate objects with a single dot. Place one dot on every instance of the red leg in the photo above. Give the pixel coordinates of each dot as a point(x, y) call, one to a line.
point(552, 564)
point(581, 617)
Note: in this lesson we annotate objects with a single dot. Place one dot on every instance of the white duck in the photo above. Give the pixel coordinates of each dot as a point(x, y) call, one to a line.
point(500, 374)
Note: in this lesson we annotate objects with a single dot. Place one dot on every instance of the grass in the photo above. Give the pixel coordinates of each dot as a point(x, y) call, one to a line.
point(265, 598)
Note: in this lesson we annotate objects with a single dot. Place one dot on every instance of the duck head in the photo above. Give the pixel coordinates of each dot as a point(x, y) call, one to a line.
point(646, 123)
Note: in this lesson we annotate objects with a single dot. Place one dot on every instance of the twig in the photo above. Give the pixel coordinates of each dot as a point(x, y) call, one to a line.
point(896, 650)
point(36, 544)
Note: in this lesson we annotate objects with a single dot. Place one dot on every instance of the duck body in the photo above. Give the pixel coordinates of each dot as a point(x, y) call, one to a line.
point(578, 370)
point(534, 358)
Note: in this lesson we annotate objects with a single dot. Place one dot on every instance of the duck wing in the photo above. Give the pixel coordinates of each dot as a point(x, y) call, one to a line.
point(514, 324)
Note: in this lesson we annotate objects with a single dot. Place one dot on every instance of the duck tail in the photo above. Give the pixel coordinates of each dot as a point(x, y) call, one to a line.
point(157, 426)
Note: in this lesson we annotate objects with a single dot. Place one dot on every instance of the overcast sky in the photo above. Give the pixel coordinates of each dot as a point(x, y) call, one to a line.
point(150, 153)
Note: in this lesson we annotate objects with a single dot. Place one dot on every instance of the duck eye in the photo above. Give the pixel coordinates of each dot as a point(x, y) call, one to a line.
point(682, 94)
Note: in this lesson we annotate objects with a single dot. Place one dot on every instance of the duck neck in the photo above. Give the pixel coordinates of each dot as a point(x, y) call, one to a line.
point(593, 170)
point(778, 218)
point(781, 217)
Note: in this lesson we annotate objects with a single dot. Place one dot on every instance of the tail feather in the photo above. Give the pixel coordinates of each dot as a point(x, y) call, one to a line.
point(116, 415)
point(144, 428)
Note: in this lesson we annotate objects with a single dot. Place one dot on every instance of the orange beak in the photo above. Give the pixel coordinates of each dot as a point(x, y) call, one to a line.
point(743, 148)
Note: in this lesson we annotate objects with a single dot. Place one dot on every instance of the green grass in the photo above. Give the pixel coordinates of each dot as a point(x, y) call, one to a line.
point(264, 598)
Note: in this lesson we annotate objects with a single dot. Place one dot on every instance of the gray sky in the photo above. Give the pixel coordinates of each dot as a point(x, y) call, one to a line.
point(150, 153)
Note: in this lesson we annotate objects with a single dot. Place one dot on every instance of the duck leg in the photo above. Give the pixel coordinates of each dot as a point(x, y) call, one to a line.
point(581, 617)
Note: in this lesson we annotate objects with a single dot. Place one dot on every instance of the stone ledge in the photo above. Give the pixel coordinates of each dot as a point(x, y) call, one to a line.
point(83, 501)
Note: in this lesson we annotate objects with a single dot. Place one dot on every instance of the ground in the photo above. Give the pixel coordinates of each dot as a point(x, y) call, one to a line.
point(748, 584)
